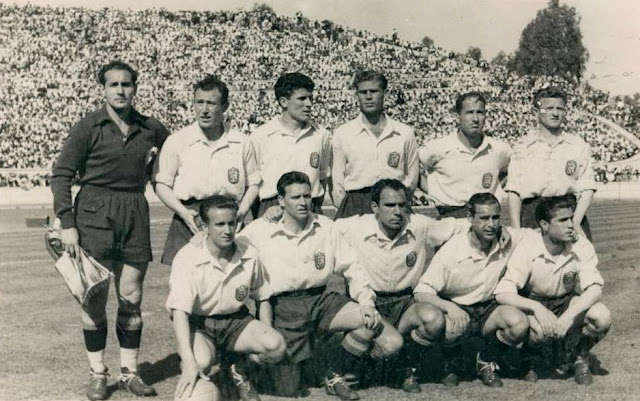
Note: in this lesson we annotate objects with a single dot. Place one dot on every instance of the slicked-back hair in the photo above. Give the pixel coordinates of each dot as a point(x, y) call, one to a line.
point(393, 184)
point(116, 65)
point(482, 198)
point(370, 75)
point(469, 95)
point(290, 178)
point(216, 202)
point(288, 83)
point(211, 82)
point(547, 208)
point(549, 92)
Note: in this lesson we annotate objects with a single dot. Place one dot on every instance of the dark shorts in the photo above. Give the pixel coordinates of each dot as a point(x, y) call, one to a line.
point(178, 234)
point(451, 211)
point(393, 305)
point(222, 330)
point(356, 202)
point(528, 216)
point(113, 224)
point(298, 315)
point(479, 314)
point(265, 204)
point(557, 305)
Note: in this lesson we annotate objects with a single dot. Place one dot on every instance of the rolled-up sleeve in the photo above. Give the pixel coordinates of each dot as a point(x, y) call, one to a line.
point(588, 272)
point(260, 286)
point(433, 280)
point(518, 272)
point(586, 178)
point(168, 163)
point(347, 265)
point(182, 292)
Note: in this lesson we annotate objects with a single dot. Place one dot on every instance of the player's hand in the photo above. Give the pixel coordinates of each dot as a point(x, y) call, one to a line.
point(548, 321)
point(458, 320)
point(273, 214)
point(199, 239)
point(71, 241)
point(563, 325)
point(189, 218)
point(370, 317)
point(187, 380)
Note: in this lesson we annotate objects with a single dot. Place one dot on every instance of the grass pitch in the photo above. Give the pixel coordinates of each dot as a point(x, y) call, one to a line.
point(42, 354)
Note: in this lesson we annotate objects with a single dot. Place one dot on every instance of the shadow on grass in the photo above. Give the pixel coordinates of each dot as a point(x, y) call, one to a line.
point(161, 370)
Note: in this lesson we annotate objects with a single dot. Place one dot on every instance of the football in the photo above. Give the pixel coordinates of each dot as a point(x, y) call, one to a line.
point(204, 390)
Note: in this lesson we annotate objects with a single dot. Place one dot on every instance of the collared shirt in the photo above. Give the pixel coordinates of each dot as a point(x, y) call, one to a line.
point(455, 172)
point(104, 157)
point(200, 285)
point(360, 159)
point(306, 260)
point(535, 271)
point(462, 273)
point(540, 169)
point(198, 168)
point(279, 151)
point(397, 264)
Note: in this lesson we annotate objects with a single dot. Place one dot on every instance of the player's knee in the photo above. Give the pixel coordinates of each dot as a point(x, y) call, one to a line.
point(274, 344)
point(430, 317)
point(599, 317)
point(130, 295)
point(516, 321)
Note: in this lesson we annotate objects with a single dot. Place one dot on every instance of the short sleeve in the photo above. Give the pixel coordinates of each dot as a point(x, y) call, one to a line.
point(182, 293)
point(518, 271)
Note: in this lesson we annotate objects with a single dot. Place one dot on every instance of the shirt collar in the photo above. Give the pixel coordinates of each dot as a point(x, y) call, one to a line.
point(471, 248)
point(278, 127)
point(312, 222)
point(198, 136)
point(389, 129)
point(540, 250)
point(101, 116)
point(372, 229)
point(456, 140)
point(534, 136)
point(243, 252)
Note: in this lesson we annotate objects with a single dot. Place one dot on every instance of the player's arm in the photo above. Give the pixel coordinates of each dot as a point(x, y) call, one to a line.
point(586, 185)
point(265, 312)
point(413, 169)
point(250, 195)
point(189, 365)
point(515, 208)
point(583, 204)
point(252, 179)
point(170, 199)
point(338, 168)
point(579, 305)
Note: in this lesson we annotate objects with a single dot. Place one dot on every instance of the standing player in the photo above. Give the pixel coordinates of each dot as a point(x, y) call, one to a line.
point(395, 247)
point(460, 282)
point(292, 142)
point(204, 159)
point(557, 283)
point(371, 147)
point(210, 286)
point(465, 162)
point(550, 162)
point(300, 254)
point(112, 150)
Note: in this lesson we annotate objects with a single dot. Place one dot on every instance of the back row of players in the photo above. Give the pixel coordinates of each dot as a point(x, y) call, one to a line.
point(400, 295)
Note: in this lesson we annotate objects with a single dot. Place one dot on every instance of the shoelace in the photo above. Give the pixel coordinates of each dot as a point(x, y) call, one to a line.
point(336, 380)
point(99, 380)
point(494, 366)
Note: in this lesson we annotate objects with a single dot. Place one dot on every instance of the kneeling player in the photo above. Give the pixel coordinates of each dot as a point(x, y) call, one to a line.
point(209, 288)
point(560, 287)
point(460, 282)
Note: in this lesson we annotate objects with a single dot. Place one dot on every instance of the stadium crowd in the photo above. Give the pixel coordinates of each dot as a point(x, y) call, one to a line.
point(48, 59)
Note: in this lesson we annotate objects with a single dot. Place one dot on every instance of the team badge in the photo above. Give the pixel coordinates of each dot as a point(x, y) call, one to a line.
point(412, 257)
point(569, 279)
point(233, 175)
point(570, 167)
point(241, 293)
point(487, 180)
point(319, 259)
point(394, 159)
point(314, 159)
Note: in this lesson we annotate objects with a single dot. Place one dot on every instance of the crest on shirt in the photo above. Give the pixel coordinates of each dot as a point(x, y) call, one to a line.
point(314, 159)
point(394, 159)
point(487, 180)
point(569, 279)
point(233, 175)
point(319, 260)
point(241, 293)
point(570, 167)
point(411, 260)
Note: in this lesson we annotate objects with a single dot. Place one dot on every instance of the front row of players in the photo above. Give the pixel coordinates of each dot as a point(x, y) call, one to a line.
point(513, 287)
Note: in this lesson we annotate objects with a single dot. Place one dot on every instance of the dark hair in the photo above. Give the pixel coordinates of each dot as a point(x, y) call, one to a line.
point(288, 83)
point(116, 65)
point(482, 198)
point(211, 82)
point(547, 207)
point(469, 95)
point(216, 202)
point(549, 92)
point(292, 177)
point(370, 75)
point(392, 184)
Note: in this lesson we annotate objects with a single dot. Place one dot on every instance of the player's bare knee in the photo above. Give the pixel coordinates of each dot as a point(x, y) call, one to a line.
point(431, 318)
point(515, 321)
point(130, 297)
point(599, 317)
point(274, 343)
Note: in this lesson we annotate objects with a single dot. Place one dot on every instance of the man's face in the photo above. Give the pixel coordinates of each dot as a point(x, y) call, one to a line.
point(296, 201)
point(472, 117)
point(560, 228)
point(222, 227)
point(485, 223)
point(208, 108)
point(119, 89)
point(391, 212)
point(551, 112)
point(370, 97)
point(298, 105)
